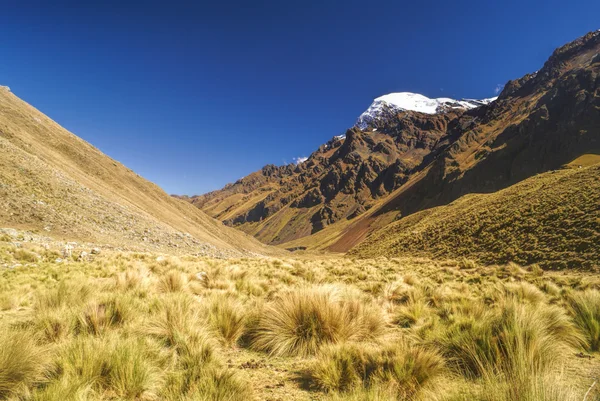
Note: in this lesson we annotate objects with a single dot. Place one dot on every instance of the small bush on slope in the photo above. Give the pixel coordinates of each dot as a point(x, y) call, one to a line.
point(22, 363)
point(350, 366)
point(300, 322)
point(585, 306)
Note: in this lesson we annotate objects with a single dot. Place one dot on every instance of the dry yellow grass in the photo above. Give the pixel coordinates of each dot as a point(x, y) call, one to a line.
point(146, 326)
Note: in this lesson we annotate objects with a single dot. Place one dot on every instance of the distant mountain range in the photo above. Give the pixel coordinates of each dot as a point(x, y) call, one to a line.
point(408, 153)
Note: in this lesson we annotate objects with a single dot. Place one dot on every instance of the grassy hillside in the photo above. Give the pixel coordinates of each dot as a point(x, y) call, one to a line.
point(142, 326)
point(552, 219)
point(56, 183)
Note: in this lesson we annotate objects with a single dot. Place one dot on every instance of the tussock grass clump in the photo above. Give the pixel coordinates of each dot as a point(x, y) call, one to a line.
point(516, 340)
point(400, 293)
point(178, 325)
point(64, 389)
point(550, 288)
point(522, 291)
point(228, 318)
point(126, 368)
point(198, 372)
point(97, 317)
point(207, 383)
point(66, 293)
point(173, 281)
point(351, 366)
point(25, 256)
point(130, 279)
point(373, 393)
point(54, 324)
point(22, 363)
point(300, 322)
point(410, 314)
point(585, 307)
point(8, 302)
point(547, 387)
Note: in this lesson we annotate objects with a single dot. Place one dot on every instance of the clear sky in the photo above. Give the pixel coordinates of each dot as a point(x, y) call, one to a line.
point(193, 95)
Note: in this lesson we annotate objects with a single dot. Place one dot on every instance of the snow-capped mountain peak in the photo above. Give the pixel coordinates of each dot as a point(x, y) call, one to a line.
point(390, 104)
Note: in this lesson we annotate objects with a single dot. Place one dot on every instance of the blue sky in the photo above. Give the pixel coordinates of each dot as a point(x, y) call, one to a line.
point(193, 95)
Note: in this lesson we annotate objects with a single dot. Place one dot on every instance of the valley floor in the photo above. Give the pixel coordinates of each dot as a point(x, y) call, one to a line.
point(144, 326)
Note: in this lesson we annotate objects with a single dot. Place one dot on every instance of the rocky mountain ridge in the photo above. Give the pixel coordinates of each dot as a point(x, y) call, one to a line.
point(409, 160)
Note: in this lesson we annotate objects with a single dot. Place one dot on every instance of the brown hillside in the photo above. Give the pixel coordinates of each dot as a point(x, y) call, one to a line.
point(51, 180)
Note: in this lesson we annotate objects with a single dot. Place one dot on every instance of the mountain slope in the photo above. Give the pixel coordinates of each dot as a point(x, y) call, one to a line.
point(552, 219)
point(538, 123)
point(408, 153)
point(54, 181)
point(341, 180)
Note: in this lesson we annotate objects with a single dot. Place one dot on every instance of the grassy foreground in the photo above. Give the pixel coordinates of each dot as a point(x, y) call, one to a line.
point(141, 326)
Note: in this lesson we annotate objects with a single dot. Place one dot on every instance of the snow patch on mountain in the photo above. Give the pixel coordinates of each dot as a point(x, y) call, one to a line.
point(393, 103)
point(299, 160)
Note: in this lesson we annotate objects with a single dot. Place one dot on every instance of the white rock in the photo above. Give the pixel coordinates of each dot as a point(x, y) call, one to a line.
point(67, 251)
